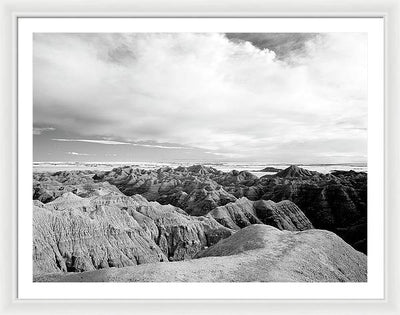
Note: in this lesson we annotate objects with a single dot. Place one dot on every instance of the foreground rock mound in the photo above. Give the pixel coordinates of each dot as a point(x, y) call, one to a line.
point(255, 253)
point(284, 215)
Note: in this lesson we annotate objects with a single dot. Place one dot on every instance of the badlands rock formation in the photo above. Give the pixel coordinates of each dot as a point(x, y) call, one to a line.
point(295, 171)
point(255, 253)
point(49, 186)
point(284, 215)
point(84, 221)
point(80, 234)
point(190, 188)
point(335, 202)
point(270, 169)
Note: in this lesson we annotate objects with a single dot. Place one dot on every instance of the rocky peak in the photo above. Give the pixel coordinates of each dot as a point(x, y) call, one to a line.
point(295, 171)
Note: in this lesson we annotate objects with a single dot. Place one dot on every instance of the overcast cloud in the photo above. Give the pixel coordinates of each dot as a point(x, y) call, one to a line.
point(256, 97)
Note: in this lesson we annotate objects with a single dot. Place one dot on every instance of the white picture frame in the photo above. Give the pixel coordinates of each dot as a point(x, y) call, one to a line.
point(10, 302)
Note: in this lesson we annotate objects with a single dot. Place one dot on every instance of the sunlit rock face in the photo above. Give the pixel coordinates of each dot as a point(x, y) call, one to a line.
point(284, 215)
point(112, 230)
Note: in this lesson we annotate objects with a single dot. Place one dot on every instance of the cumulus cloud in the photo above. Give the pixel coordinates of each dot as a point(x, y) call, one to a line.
point(285, 45)
point(208, 91)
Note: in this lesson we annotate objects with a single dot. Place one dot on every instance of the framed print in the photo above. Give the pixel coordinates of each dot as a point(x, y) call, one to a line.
point(177, 153)
point(217, 157)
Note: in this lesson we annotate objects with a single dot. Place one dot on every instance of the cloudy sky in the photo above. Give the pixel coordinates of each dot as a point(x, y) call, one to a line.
point(295, 98)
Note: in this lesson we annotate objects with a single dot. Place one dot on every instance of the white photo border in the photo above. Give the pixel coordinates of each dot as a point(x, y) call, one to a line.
point(373, 289)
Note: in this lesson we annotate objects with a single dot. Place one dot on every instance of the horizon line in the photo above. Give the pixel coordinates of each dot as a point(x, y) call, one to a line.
point(204, 162)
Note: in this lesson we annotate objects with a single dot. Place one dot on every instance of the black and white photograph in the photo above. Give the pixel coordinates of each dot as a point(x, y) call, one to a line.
point(200, 157)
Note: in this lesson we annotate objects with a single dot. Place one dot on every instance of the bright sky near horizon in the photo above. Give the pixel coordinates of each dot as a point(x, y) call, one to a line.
point(296, 98)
